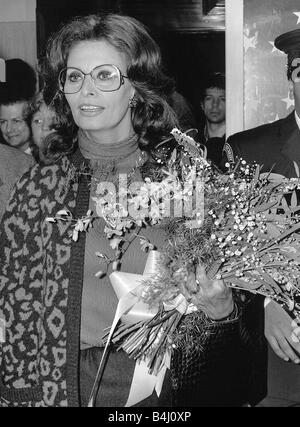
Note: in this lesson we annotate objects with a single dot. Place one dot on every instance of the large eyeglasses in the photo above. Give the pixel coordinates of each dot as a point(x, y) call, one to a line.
point(107, 78)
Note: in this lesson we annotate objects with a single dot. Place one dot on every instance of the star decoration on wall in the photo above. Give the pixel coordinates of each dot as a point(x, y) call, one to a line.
point(250, 42)
point(298, 16)
point(289, 102)
point(275, 48)
point(275, 119)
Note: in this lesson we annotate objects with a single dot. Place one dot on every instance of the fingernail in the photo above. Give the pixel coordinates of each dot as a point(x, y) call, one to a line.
point(297, 361)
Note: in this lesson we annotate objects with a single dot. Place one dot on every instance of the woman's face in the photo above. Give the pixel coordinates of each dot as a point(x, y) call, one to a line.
point(104, 116)
point(42, 124)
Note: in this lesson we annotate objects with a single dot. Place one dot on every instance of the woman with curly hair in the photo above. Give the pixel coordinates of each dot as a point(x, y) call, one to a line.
point(44, 123)
point(103, 76)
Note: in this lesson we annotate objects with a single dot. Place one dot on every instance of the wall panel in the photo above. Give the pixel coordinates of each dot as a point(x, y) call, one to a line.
point(18, 40)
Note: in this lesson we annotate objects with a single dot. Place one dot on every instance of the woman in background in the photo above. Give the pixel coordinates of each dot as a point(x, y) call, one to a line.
point(44, 123)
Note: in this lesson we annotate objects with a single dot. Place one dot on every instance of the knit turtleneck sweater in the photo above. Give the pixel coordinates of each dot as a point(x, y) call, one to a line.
point(104, 152)
point(99, 301)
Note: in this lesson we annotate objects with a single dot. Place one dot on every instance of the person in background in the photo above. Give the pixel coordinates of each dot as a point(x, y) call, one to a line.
point(276, 147)
point(44, 123)
point(213, 103)
point(15, 96)
point(13, 164)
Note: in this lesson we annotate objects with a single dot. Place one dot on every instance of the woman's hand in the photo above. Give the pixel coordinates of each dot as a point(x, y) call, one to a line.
point(211, 296)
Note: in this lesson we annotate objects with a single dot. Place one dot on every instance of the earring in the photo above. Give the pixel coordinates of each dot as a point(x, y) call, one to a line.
point(133, 102)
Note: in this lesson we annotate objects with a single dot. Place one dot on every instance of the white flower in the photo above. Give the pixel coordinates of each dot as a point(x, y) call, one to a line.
point(114, 243)
point(49, 219)
point(64, 212)
point(75, 235)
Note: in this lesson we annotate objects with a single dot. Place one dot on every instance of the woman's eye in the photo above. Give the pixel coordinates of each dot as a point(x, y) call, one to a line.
point(37, 121)
point(105, 75)
point(74, 77)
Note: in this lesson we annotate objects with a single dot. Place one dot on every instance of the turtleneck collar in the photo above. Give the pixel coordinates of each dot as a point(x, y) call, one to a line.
point(93, 150)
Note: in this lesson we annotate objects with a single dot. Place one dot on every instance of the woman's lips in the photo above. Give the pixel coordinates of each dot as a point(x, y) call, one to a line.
point(90, 110)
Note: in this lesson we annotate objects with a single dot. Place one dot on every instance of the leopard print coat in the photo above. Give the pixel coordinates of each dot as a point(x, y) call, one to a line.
point(39, 299)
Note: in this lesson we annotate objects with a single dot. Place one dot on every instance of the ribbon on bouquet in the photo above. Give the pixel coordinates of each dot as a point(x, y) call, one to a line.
point(129, 288)
point(131, 309)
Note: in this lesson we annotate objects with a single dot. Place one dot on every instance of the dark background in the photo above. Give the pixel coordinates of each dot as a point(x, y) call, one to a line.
point(192, 41)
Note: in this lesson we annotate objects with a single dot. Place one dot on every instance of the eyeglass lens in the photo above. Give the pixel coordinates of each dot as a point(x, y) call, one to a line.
point(106, 78)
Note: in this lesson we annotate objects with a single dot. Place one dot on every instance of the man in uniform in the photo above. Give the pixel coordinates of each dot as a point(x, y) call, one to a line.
point(276, 147)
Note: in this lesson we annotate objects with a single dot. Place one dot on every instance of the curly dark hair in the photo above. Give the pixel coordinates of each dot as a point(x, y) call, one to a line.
point(40, 152)
point(152, 116)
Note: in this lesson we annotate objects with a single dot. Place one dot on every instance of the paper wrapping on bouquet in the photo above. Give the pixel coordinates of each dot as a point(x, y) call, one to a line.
point(144, 383)
point(131, 309)
point(128, 288)
point(180, 304)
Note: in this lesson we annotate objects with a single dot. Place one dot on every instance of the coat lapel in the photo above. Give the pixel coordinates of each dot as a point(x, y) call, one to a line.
point(289, 138)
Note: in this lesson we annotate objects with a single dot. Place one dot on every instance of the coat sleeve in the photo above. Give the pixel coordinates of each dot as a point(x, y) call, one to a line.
point(20, 280)
point(226, 366)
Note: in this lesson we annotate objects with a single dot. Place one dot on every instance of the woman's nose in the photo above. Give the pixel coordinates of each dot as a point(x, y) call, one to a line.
point(88, 86)
point(46, 126)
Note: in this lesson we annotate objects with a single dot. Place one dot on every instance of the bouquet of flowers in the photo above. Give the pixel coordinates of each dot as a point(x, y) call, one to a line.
point(245, 234)
point(241, 226)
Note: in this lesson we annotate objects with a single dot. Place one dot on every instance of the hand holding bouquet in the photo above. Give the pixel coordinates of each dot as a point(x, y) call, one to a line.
point(212, 297)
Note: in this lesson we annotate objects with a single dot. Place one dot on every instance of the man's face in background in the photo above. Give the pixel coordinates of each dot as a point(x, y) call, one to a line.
point(13, 126)
point(214, 105)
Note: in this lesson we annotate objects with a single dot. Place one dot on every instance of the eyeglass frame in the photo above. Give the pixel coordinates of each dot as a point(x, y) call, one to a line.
point(121, 78)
